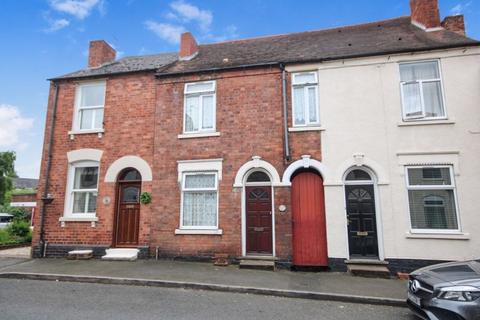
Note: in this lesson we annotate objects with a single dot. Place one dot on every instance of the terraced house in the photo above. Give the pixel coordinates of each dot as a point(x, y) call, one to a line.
point(332, 148)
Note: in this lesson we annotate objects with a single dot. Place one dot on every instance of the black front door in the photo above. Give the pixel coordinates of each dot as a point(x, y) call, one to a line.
point(362, 225)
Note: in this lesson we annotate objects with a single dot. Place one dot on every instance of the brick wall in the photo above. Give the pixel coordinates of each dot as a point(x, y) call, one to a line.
point(250, 122)
point(24, 197)
point(128, 124)
point(143, 117)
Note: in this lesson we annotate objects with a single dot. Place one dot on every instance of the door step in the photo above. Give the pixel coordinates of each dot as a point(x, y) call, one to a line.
point(368, 268)
point(121, 254)
point(258, 262)
point(80, 255)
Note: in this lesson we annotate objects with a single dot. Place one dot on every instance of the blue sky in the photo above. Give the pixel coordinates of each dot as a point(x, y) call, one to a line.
point(46, 38)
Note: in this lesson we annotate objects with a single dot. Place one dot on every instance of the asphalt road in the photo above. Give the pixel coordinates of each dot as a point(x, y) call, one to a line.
point(30, 299)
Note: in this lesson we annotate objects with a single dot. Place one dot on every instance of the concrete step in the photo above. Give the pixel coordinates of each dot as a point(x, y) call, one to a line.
point(121, 254)
point(80, 255)
point(257, 264)
point(264, 258)
point(372, 269)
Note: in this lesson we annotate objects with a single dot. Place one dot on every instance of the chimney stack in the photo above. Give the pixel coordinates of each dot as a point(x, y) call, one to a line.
point(100, 52)
point(425, 12)
point(455, 24)
point(188, 46)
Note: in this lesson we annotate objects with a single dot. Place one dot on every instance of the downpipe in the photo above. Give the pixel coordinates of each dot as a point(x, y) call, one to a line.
point(46, 197)
point(285, 114)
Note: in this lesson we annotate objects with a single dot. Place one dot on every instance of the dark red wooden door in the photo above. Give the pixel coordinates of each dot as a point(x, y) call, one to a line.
point(128, 214)
point(259, 219)
point(308, 217)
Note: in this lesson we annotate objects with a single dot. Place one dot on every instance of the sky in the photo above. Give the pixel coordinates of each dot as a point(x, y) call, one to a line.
point(40, 39)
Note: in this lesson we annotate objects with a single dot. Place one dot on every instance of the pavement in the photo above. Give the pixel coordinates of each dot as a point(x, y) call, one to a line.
point(20, 252)
point(205, 276)
point(30, 299)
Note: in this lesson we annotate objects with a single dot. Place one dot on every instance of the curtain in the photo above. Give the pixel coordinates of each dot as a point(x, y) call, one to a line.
point(419, 71)
point(191, 113)
point(412, 102)
point(200, 209)
point(299, 108)
point(432, 97)
point(312, 103)
point(207, 112)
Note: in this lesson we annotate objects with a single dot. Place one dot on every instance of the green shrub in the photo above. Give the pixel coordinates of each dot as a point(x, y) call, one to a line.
point(18, 213)
point(19, 228)
point(28, 237)
point(4, 236)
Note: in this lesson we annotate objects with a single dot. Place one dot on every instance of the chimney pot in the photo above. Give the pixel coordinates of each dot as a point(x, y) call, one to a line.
point(100, 52)
point(188, 46)
point(455, 24)
point(425, 12)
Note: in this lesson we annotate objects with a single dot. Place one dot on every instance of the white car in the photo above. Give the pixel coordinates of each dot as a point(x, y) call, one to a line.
point(5, 219)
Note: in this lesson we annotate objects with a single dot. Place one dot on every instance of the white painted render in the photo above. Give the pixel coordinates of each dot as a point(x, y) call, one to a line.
point(128, 162)
point(84, 155)
point(361, 112)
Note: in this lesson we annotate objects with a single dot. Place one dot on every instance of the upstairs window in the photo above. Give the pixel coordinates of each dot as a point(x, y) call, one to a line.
point(432, 199)
point(421, 87)
point(90, 100)
point(305, 99)
point(199, 110)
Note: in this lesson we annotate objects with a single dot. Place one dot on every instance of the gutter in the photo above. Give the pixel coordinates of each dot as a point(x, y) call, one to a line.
point(285, 114)
point(46, 197)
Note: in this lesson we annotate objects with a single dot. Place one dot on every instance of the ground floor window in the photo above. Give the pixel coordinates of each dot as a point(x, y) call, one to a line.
point(432, 198)
point(83, 188)
point(199, 200)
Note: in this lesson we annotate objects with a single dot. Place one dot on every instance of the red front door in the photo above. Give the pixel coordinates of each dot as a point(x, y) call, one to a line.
point(259, 219)
point(308, 217)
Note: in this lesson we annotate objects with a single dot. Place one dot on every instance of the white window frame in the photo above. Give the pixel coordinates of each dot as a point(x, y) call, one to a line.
point(78, 108)
point(306, 86)
point(421, 82)
point(451, 186)
point(70, 189)
point(184, 189)
point(201, 94)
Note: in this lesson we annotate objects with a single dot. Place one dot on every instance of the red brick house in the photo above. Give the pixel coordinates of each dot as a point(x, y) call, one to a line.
point(225, 137)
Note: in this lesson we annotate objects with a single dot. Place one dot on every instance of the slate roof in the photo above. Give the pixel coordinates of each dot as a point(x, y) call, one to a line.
point(125, 65)
point(377, 38)
point(24, 183)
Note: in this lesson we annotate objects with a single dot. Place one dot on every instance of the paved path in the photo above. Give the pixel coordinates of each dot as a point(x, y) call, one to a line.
point(60, 300)
point(21, 252)
point(329, 282)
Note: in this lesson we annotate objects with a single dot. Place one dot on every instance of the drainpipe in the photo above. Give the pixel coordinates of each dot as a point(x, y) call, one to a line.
point(285, 113)
point(46, 197)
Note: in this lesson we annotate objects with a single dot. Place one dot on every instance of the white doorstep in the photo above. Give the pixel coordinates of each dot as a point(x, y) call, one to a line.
point(121, 254)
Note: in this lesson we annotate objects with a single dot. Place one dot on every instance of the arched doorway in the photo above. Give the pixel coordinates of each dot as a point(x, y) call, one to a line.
point(127, 213)
point(361, 214)
point(308, 219)
point(258, 214)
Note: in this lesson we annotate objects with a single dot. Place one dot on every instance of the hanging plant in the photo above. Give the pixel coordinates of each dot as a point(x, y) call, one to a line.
point(145, 198)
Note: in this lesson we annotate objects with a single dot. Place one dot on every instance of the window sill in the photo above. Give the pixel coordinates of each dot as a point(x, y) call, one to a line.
point(440, 236)
point(78, 219)
point(217, 232)
point(300, 129)
point(425, 122)
point(92, 220)
point(99, 132)
point(198, 135)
